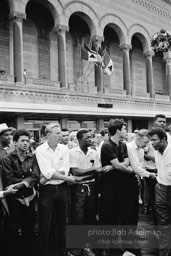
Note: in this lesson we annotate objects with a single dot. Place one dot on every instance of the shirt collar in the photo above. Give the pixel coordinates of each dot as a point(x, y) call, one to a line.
point(78, 149)
point(46, 146)
point(14, 153)
point(165, 151)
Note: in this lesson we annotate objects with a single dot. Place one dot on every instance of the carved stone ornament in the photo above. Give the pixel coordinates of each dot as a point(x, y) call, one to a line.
point(125, 47)
point(82, 85)
point(61, 28)
point(167, 55)
point(17, 16)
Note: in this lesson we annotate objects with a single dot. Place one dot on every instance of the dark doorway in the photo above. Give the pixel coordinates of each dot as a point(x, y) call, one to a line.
point(139, 124)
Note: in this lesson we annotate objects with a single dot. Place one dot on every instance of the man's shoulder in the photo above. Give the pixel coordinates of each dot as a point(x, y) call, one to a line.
point(74, 150)
point(107, 143)
point(168, 149)
point(131, 145)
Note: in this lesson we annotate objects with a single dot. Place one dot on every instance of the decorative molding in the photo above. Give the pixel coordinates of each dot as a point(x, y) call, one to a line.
point(61, 28)
point(149, 54)
point(125, 47)
point(17, 16)
point(6, 78)
point(153, 8)
point(40, 96)
point(42, 82)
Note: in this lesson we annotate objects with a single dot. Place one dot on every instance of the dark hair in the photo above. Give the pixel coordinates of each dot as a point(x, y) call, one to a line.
point(103, 132)
point(19, 133)
point(114, 125)
point(64, 130)
point(81, 132)
point(43, 128)
point(159, 115)
point(159, 131)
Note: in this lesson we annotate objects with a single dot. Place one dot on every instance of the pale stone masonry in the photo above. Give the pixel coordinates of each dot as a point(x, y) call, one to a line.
point(45, 39)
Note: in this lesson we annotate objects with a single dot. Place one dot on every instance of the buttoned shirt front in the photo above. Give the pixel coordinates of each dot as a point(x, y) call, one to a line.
point(136, 158)
point(53, 161)
point(163, 163)
point(79, 160)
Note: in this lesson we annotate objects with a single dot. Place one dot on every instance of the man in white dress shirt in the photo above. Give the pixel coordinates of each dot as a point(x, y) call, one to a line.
point(53, 160)
point(136, 157)
point(158, 139)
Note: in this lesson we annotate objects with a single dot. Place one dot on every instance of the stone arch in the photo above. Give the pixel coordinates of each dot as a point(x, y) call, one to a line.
point(142, 34)
point(55, 7)
point(11, 5)
point(117, 24)
point(89, 15)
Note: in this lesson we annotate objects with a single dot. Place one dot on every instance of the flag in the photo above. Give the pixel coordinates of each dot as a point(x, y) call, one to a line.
point(87, 54)
point(90, 55)
point(107, 63)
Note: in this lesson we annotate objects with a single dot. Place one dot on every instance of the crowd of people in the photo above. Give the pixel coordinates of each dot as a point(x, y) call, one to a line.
point(82, 178)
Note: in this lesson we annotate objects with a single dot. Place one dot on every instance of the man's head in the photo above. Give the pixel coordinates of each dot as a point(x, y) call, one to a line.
point(84, 138)
point(142, 138)
point(117, 127)
point(5, 134)
point(104, 134)
point(136, 131)
point(21, 140)
point(160, 121)
point(158, 138)
point(97, 137)
point(53, 134)
point(64, 136)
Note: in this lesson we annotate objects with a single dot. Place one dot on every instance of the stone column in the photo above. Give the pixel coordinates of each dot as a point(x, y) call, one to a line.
point(129, 125)
point(149, 73)
point(167, 58)
point(20, 122)
point(98, 68)
point(126, 68)
point(17, 19)
point(64, 123)
point(100, 124)
point(61, 32)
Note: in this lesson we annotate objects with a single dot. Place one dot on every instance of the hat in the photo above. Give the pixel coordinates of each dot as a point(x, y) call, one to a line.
point(4, 127)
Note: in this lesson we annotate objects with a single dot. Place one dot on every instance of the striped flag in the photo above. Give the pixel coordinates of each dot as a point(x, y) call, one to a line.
point(107, 63)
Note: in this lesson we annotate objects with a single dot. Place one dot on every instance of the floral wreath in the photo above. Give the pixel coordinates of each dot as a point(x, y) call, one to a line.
point(161, 41)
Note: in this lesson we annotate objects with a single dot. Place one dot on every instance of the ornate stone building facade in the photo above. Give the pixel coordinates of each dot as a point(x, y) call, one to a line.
point(45, 78)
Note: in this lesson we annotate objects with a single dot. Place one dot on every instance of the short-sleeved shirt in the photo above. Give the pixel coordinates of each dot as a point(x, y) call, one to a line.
point(163, 163)
point(79, 160)
point(109, 152)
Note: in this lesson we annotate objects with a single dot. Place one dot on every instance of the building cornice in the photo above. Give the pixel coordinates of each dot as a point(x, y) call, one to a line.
point(39, 100)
